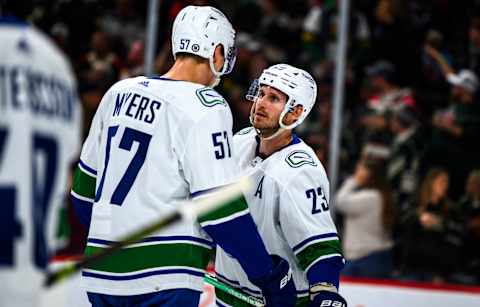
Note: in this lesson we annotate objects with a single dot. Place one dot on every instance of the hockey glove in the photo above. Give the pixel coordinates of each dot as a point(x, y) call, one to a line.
point(278, 287)
point(325, 298)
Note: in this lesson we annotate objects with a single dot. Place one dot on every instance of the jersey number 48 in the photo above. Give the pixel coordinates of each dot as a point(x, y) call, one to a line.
point(44, 160)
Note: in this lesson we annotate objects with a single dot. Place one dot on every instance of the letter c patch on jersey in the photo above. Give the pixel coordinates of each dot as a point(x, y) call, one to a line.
point(298, 158)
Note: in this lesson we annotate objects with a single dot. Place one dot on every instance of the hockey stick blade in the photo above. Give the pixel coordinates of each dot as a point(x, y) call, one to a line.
point(191, 210)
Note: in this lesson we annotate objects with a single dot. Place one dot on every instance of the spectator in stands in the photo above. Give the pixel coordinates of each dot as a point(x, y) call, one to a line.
point(431, 88)
point(406, 152)
point(474, 48)
point(134, 65)
point(102, 61)
point(427, 233)
point(386, 95)
point(99, 69)
point(365, 201)
point(468, 217)
point(456, 128)
point(125, 22)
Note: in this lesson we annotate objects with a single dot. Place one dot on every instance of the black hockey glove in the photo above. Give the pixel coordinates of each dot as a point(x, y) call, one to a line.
point(278, 287)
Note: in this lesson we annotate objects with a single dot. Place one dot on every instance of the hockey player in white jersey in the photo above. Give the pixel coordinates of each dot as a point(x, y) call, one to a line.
point(153, 143)
point(40, 119)
point(290, 199)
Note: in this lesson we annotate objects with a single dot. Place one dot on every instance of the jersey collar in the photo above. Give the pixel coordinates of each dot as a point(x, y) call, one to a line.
point(295, 140)
point(162, 78)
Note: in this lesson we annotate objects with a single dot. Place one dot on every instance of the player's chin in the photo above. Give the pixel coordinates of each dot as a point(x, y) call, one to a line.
point(262, 125)
point(266, 129)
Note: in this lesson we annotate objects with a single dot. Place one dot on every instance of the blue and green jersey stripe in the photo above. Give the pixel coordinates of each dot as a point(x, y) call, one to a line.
point(153, 253)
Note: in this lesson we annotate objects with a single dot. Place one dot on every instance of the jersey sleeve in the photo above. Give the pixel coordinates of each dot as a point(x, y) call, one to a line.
point(308, 227)
point(208, 164)
point(85, 176)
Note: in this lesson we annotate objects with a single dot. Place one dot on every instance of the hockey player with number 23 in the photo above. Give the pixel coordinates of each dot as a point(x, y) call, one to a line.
point(155, 142)
point(290, 198)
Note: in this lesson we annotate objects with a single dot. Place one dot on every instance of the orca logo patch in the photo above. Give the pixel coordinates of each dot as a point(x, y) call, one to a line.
point(298, 158)
point(209, 97)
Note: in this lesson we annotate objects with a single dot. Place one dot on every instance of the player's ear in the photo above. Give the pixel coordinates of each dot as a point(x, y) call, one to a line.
point(293, 115)
point(218, 57)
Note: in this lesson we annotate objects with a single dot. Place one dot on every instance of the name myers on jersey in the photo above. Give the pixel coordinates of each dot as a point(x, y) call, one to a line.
point(136, 106)
point(22, 88)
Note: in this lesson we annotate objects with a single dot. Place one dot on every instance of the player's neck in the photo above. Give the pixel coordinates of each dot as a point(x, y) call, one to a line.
point(191, 71)
point(270, 146)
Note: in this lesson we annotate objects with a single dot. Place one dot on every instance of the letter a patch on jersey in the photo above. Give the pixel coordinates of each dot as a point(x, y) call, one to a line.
point(258, 192)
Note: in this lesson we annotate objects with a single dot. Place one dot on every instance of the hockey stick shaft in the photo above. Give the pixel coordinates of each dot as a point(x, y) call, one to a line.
point(212, 280)
point(70, 269)
point(190, 211)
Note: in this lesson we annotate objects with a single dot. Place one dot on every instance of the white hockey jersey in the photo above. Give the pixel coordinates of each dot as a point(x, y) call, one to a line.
point(289, 204)
point(153, 143)
point(40, 119)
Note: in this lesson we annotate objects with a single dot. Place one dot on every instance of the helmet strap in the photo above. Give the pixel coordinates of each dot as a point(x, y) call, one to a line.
point(288, 108)
point(216, 73)
point(274, 135)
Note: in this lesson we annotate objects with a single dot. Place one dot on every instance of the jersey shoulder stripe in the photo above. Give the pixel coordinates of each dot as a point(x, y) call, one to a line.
point(230, 210)
point(83, 183)
point(318, 238)
point(317, 251)
point(89, 170)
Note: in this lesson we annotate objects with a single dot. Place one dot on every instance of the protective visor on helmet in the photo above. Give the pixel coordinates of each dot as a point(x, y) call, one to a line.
point(252, 93)
point(230, 58)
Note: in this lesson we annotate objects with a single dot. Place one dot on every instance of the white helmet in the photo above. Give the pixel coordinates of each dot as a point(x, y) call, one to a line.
point(296, 83)
point(199, 30)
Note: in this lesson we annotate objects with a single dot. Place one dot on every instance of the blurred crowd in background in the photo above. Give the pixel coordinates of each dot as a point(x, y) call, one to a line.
point(408, 203)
